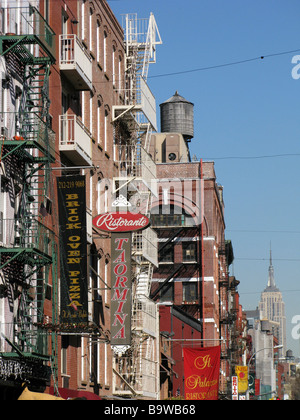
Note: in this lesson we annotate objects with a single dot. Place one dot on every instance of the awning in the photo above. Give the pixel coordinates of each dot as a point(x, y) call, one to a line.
point(72, 393)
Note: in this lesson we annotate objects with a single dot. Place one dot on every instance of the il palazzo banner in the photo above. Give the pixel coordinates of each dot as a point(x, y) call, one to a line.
point(73, 251)
point(201, 372)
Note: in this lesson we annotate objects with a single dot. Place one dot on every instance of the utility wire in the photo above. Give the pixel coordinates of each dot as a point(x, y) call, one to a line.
point(266, 259)
point(253, 157)
point(259, 293)
point(263, 231)
point(217, 66)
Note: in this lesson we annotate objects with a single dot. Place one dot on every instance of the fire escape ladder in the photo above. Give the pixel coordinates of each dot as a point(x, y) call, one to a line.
point(32, 244)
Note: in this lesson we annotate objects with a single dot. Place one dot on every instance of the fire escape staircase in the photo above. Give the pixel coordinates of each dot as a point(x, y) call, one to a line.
point(30, 258)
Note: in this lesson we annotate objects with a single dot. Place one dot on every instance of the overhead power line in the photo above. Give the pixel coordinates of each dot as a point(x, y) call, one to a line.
point(217, 66)
point(253, 157)
point(266, 259)
point(259, 293)
point(263, 231)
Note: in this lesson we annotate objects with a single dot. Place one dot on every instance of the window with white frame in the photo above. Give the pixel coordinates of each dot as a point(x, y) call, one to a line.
point(114, 65)
point(105, 52)
point(120, 73)
point(105, 129)
point(99, 196)
point(91, 112)
point(91, 29)
point(98, 41)
point(99, 122)
point(83, 19)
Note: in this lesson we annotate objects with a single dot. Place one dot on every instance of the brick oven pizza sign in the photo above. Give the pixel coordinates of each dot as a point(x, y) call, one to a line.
point(121, 222)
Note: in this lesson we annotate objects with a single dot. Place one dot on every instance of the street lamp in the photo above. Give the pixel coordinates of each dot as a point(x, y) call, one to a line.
point(280, 346)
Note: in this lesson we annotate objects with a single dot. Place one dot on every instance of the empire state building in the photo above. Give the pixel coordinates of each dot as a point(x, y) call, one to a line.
point(272, 307)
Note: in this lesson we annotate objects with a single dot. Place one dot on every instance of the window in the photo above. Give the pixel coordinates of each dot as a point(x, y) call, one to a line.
point(114, 65)
point(167, 254)
point(120, 74)
point(189, 292)
point(167, 293)
point(105, 130)
point(64, 22)
point(3, 189)
point(83, 19)
point(64, 353)
point(189, 252)
point(105, 51)
point(99, 122)
point(99, 196)
point(98, 41)
point(91, 29)
point(170, 216)
point(91, 112)
point(46, 6)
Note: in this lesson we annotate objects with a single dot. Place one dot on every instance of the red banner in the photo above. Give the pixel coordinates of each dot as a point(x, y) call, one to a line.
point(201, 372)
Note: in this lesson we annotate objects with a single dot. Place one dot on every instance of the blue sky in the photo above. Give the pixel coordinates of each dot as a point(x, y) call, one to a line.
point(245, 115)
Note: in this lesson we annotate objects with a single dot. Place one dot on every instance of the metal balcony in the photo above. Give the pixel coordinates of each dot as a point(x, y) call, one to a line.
point(22, 133)
point(25, 26)
point(26, 240)
point(74, 62)
point(75, 140)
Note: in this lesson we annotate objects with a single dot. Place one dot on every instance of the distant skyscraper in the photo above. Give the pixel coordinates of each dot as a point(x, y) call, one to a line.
point(272, 307)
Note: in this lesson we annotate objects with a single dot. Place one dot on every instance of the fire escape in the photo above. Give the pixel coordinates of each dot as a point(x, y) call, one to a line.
point(135, 368)
point(28, 252)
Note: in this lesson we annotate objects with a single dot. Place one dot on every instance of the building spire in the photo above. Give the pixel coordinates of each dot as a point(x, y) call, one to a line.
point(271, 281)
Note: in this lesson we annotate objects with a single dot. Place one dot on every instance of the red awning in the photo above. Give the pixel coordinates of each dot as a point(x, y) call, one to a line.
point(72, 393)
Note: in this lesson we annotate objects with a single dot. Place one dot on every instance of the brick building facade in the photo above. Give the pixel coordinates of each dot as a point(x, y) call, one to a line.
point(86, 82)
point(194, 257)
point(71, 108)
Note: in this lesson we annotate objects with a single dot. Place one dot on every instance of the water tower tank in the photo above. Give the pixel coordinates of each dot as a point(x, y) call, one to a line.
point(177, 116)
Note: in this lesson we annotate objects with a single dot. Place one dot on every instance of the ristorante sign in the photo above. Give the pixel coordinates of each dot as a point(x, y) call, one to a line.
point(121, 222)
point(201, 372)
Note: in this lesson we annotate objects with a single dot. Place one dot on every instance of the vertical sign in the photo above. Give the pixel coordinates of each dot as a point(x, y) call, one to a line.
point(257, 386)
point(235, 388)
point(201, 372)
point(73, 251)
point(121, 289)
point(242, 374)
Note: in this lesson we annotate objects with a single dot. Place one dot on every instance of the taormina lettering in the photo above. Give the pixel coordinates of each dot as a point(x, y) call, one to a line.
point(121, 289)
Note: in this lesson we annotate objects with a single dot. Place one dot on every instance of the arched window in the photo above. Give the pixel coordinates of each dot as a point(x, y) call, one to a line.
point(106, 115)
point(99, 103)
point(114, 65)
point(105, 51)
point(83, 19)
point(91, 29)
point(120, 73)
point(98, 41)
